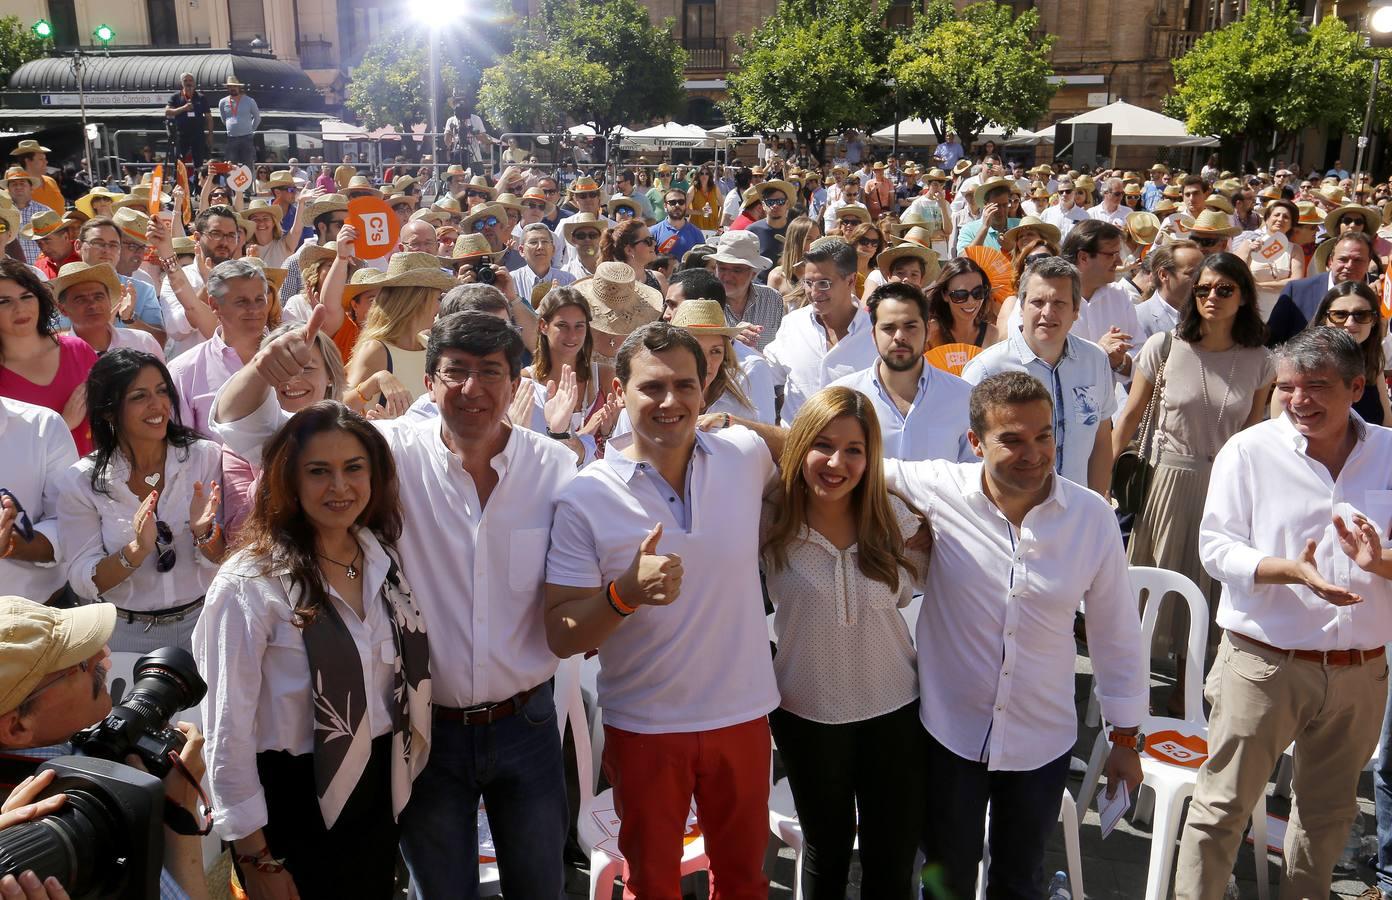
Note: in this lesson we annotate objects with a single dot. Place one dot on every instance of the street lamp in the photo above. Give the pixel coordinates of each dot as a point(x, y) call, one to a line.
point(1379, 36)
point(435, 19)
point(43, 30)
point(893, 84)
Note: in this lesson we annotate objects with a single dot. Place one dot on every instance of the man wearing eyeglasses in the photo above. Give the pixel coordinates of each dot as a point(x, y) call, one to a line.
point(100, 241)
point(491, 221)
point(1075, 370)
point(676, 234)
point(1111, 209)
point(53, 667)
point(1349, 260)
point(1069, 211)
point(1106, 315)
point(777, 195)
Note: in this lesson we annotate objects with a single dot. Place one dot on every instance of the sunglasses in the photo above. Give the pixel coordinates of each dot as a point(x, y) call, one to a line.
point(676, 202)
point(587, 195)
point(625, 212)
point(477, 195)
point(549, 191)
point(164, 545)
point(649, 240)
point(1207, 241)
point(777, 202)
point(1224, 291)
point(22, 523)
point(962, 296)
point(1340, 316)
point(489, 222)
point(1115, 193)
point(585, 235)
point(868, 242)
point(534, 205)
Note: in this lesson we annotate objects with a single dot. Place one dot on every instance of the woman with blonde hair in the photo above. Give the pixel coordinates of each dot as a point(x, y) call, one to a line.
point(832, 544)
point(392, 337)
point(801, 232)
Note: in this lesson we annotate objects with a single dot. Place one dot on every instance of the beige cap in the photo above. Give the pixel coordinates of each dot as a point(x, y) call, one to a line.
point(38, 640)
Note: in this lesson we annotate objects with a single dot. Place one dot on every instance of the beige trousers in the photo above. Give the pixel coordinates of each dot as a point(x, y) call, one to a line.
point(1262, 701)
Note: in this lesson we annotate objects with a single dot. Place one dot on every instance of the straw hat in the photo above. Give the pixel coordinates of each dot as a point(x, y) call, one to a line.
point(1131, 189)
point(1173, 192)
point(10, 216)
point(400, 183)
point(1041, 169)
point(855, 211)
point(467, 246)
point(132, 224)
point(986, 187)
point(416, 270)
point(909, 219)
point(1310, 214)
point(703, 317)
point(275, 277)
point(27, 147)
point(365, 279)
point(888, 256)
point(790, 191)
point(183, 246)
point(481, 212)
point(579, 219)
point(962, 166)
point(1212, 221)
point(280, 179)
point(433, 216)
point(1164, 207)
point(448, 205)
point(618, 202)
point(1332, 194)
point(1160, 167)
point(1144, 227)
point(935, 174)
point(84, 203)
point(359, 185)
point(261, 207)
point(750, 197)
point(15, 173)
point(312, 255)
point(1270, 193)
point(1372, 219)
point(619, 302)
point(82, 273)
point(42, 225)
point(583, 184)
point(1049, 232)
point(509, 201)
point(1319, 260)
point(740, 248)
point(480, 184)
point(233, 81)
point(455, 169)
point(327, 204)
point(407, 200)
point(917, 235)
point(1218, 202)
point(536, 193)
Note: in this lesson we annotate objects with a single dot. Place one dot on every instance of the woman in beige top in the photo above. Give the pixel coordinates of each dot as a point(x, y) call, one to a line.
point(393, 338)
point(838, 573)
point(1214, 376)
point(1272, 273)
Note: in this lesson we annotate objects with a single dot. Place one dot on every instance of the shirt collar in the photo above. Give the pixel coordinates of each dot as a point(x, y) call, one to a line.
point(975, 487)
point(924, 378)
point(1021, 348)
point(626, 467)
point(1302, 443)
point(500, 462)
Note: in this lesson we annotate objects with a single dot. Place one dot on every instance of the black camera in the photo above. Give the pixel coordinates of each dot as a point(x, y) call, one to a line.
point(106, 841)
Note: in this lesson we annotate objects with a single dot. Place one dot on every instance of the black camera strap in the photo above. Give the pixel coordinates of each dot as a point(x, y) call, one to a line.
point(176, 817)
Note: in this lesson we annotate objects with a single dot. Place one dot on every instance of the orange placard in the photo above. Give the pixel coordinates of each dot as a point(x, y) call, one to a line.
point(1186, 750)
point(156, 185)
point(951, 358)
point(376, 226)
point(186, 208)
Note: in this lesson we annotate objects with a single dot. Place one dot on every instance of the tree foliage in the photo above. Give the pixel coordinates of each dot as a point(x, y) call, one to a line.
point(815, 66)
point(18, 45)
point(389, 86)
point(601, 61)
point(1265, 77)
point(959, 70)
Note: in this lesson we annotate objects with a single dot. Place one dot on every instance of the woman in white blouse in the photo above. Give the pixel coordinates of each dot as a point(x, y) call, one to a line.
point(137, 518)
point(838, 573)
point(318, 669)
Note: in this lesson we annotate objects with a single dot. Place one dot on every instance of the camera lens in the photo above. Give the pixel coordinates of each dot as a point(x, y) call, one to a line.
point(485, 274)
point(164, 682)
point(62, 845)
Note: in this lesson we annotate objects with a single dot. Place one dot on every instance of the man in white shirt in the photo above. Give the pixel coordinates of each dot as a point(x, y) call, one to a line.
point(477, 498)
point(36, 451)
point(1293, 527)
point(1068, 211)
point(1111, 208)
point(539, 252)
point(812, 340)
point(1107, 316)
point(626, 530)
point(1173, 267)
point(1075, 371)
point(1016, 551)
point(922, 410)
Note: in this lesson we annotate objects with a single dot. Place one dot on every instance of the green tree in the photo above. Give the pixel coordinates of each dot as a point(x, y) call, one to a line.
point(389, 86)
point(1265, 77)
point(535, 90)
point(18, 45)
point(959, 70)
point(815, 67)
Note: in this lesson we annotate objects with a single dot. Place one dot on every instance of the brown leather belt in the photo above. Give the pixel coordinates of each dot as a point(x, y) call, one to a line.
point(486, 713)
point(1323, 657)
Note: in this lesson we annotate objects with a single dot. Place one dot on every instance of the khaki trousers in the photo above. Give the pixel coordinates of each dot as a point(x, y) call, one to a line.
point(1262, 701)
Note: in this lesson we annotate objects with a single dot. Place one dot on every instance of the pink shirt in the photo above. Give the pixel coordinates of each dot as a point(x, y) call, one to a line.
point(239, 479)
point(75, 359)
point(199, 374)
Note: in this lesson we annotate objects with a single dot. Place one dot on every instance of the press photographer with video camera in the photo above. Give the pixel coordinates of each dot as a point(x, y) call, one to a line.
point(54, 701)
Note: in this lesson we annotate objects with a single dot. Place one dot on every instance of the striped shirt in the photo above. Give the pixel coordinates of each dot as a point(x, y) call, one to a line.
point(765, 309)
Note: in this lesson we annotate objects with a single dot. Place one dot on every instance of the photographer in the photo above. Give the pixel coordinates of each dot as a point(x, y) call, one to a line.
point(53, 665)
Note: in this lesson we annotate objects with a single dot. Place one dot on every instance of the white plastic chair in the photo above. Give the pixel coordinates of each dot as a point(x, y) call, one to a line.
point(1072, 849)
point(1170, 783)
point(598, 824)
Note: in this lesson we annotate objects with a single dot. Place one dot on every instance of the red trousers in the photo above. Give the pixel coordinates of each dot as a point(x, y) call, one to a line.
point(655, 778)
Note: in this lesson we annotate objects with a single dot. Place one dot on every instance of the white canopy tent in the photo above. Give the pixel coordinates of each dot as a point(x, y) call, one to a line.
point(918, 133)
point(1132, 126)
point(669, 134)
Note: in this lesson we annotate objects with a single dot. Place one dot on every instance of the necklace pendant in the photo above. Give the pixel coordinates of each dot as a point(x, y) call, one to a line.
point(352, 572)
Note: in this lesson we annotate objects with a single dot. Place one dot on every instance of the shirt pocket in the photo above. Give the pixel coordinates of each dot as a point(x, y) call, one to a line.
point(1377, 506)
point(527, 558)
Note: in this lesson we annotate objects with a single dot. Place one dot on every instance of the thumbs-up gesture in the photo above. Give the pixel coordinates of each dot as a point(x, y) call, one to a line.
point(287, 356)
point(654, 578)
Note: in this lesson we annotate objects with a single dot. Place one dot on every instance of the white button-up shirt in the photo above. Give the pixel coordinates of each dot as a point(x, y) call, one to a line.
point(804, 362)
point(1117, 216)
point(935, 426)
point(475, 570)
point(253, 658)
point(1109, 307)
point(997, 617)
point(1266, 497)
point(36, 450)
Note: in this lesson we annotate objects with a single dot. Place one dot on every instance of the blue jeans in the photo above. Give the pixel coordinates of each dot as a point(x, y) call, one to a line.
point(515, 765)
point(1382, 801)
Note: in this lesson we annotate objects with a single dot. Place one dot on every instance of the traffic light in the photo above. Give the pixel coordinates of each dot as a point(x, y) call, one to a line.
point(104, 34)
point(43, 29)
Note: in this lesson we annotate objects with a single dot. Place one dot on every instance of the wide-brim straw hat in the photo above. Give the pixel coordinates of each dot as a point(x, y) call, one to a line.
point(81, 273)
point(26, 147)
point(888, 256)
point(1310, 214)
point(917, 235)
point(962, 166)
point(1143, 226)
point(619, 302)
point(480, 212)
point(1165, 206)
point(789, 190)
point(935, 174)
point(583, 184)
point(992, 184)
point(400, 183)
point(1319, 260)
point(909, 219)
point(10, 215)
point(509, 201)
point(467, 246)
point(536, 193)
point(1372, 219)
point(281, 179)
point(703, 317)
point(480, 183)
point(1049, 232)
point(42, 225)
point(616, 202)
point(132, 223)
point(740, 248)
point(1219, 202)
point(312, 255)
point(261, 207)
point(15, 173)
point(361, 183)
point(365, 279)
point(582, 219)
point(84, 203)
point(435, 217)
point(327, 204)
point(855, 211)
point(1212, 221)
point(416, 270)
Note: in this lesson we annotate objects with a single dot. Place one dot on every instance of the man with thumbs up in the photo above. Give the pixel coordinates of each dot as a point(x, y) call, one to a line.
point(686, 679)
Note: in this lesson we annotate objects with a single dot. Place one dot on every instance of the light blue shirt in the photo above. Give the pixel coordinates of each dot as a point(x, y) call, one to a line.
point(245, 120)
point(147, 306)
point(1081, 387)
point(935, 426)
point(969, 231)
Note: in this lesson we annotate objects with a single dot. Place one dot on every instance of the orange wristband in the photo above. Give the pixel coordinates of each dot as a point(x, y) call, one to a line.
point(619, 606)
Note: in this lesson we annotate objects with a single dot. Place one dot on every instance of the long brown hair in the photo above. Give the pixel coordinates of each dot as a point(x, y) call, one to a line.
point(279, 533)
point(1371, 348)
point(879, 542)
point(794, 245)
point(614, 242)
point(556, 300)
point(940, 307)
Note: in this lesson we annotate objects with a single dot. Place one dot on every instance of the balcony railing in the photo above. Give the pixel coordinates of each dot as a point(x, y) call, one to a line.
point(317, 55)
point(706, 54)
point(1179, 43)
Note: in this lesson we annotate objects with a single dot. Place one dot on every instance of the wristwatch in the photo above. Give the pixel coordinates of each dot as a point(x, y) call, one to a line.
point(557, 435)
point(1131, 741)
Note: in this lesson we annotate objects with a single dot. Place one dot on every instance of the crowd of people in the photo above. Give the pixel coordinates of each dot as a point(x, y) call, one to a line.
point(662, 416)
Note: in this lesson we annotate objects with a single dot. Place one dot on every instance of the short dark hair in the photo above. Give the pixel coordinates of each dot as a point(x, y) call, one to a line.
point(1005, 389)
point(897, 290)
point(655, 337)
point(217, 209)
point(1248, 330)
point(1088, 237)
point(96, 222)
point(1361, 237)
point(475, 333)
point(699, 284)
point(1191, 180)
point(835, 251)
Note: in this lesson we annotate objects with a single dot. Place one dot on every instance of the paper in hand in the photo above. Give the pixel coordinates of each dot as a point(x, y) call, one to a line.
point(1111, 809)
